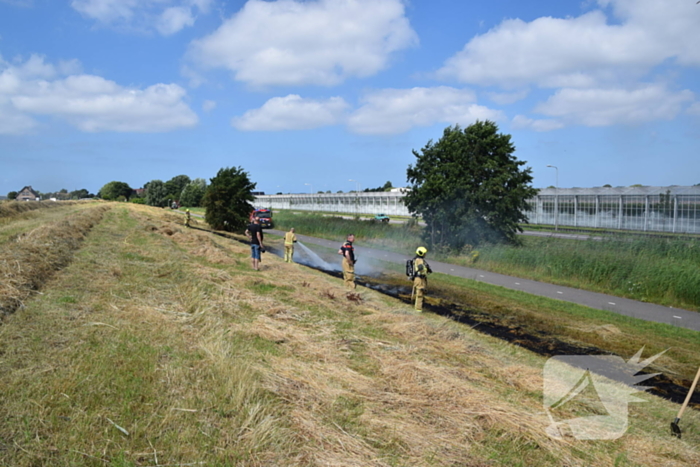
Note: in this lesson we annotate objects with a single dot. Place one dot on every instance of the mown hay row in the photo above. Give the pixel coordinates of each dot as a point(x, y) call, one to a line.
point(32, 258)
point(10, 209)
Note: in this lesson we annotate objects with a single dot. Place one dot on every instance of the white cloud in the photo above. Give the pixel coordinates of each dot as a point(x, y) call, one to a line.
point(505, 98)
point(694, 109)
point(292, 113)
point(603, 107)
point(202, 5)
point(671, 23)
point(522, 122)
point(106, 10)
point(91, 103)
point(208, 105)
point(174, 19)
point(392, 111)
point(166, 16)
point(319, 42)
point(13, 122)
point(584, 51)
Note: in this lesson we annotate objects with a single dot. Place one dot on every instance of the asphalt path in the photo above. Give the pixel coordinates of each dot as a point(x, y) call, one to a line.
point(641, 310)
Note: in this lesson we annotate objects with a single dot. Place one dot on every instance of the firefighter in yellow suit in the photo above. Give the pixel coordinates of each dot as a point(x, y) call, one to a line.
point(187, 218)
point(348, 252)
point(421, 269)
point(289, 240)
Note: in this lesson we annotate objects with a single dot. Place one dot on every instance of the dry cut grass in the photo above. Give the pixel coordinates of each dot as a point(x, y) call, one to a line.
point(10, 209)
point(32, 258)
point(176, 353)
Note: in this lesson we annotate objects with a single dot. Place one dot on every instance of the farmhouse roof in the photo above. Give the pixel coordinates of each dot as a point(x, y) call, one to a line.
point(30, 189)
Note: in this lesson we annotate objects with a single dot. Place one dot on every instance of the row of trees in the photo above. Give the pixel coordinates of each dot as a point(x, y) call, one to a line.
point(180, 189)
point(468, 188)
point(61, 194)
point(227, 199)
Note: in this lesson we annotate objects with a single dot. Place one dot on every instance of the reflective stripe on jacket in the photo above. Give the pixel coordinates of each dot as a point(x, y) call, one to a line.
point(289, 238)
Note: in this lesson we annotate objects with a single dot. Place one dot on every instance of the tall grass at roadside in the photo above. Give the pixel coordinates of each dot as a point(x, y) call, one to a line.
point(649, 269)
point(399, 237)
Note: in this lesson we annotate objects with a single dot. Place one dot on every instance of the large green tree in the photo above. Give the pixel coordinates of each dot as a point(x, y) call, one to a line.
point(192, 193)
point(79, 194)
point(156, 194)
point(228, 200)
point(469, 188)
point(175, 185)
point(114, 190)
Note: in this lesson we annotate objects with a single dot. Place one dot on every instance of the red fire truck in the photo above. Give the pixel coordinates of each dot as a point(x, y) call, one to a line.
point(264, 217)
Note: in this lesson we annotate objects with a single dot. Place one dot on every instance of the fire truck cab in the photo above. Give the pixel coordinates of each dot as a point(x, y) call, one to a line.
point(264, 217)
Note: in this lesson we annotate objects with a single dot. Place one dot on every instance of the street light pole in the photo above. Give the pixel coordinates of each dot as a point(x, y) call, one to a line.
point(556, 198)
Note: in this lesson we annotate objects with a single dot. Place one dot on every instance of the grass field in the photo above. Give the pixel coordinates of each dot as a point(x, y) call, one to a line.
point(152, 344)
point(656, 270)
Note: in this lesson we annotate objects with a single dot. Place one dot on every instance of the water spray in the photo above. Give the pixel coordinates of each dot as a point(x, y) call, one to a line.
point(316, 261)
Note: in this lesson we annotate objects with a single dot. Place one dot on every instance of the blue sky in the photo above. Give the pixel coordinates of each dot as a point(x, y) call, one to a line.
point(306, 95)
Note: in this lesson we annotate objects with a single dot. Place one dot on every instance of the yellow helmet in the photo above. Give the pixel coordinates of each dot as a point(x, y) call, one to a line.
point(421, 251)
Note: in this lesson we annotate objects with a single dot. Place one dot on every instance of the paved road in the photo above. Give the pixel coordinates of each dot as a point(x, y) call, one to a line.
point(623, 306)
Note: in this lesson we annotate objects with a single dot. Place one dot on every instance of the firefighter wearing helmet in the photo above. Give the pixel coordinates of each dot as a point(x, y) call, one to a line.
point(187, 218)
point(421, 269)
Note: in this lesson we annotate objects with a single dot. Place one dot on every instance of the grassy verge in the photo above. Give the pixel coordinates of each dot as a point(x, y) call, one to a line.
point(556, 324)
point(175, 352)
point(656, 270)
point(578, 325)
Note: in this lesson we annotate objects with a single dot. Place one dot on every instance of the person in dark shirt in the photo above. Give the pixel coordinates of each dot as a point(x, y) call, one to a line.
point(348, 252)
point(254, 231)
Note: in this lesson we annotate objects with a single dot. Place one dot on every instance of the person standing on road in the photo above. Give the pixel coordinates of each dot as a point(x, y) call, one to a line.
point(254, 231)
point(348, 252)
point(421, 269)
point(289, 240)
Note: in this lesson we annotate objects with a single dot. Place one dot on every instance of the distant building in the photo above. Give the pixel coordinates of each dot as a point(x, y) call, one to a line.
point(28, 194)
